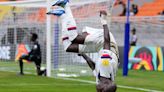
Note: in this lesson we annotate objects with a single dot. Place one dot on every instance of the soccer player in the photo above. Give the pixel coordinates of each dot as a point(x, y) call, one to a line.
point(106, 66)
point(33, 56)
point(133, 39)
point(90, 40)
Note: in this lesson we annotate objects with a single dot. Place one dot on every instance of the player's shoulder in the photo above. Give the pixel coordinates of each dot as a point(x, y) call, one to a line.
point(36, 43)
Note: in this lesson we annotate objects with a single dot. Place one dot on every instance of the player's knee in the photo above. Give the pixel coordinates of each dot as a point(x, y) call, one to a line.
point(66, 44)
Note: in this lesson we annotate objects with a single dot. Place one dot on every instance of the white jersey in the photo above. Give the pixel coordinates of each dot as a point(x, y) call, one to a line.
point(93, 42)
point(106, 66)
point(96, 40)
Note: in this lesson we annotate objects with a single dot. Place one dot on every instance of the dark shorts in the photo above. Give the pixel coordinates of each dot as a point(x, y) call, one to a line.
point(35, 59)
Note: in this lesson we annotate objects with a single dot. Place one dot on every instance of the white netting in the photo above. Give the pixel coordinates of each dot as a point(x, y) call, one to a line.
point(17, 22)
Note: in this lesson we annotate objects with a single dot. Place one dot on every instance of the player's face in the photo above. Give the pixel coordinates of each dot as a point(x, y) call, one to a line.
point(32, 38)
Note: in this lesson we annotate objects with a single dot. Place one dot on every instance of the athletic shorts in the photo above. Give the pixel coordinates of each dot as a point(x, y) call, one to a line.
point(95, 40)
point(35, 59)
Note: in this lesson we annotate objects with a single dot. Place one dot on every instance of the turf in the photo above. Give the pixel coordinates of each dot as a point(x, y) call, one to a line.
point(11, 82)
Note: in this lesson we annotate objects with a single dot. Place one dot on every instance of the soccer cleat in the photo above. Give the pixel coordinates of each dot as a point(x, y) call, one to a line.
point(57, 12)
point(60, 2)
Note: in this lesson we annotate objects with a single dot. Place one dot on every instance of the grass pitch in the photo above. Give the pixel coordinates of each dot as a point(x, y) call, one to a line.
point(137, 81)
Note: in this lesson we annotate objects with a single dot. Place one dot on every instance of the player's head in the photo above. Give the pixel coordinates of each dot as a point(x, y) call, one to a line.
point(106, 85)
point(34, 37)
point(110, 87)
point(133, 31)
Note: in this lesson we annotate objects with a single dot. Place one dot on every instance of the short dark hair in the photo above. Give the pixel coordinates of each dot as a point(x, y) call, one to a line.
point(134, 30)
point(110, 87)
point(106, 86)
point(34, 36)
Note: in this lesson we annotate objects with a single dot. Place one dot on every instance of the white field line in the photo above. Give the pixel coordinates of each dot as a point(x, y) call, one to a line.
point(90, 82)
point(38, 84)
point(120, 86)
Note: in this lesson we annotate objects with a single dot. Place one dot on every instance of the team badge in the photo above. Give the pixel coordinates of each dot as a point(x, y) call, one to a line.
point(105, 62)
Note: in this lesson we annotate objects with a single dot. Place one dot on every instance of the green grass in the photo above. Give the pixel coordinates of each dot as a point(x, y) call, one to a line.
point(11, 82)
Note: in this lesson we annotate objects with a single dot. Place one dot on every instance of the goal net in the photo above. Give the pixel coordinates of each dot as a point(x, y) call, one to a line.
point(18, 19)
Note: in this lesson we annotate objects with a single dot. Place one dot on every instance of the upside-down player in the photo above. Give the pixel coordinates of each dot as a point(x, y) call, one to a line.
point(90, 40)
point(106, 66)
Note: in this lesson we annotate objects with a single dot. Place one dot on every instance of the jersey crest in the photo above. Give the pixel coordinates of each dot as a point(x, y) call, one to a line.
point(105, 62)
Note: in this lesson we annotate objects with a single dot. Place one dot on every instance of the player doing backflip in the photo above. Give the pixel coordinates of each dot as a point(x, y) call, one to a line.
point(90, 40)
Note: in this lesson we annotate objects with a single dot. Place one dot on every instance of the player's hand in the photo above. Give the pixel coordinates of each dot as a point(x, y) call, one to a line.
point(103, 12)
point(103, 17)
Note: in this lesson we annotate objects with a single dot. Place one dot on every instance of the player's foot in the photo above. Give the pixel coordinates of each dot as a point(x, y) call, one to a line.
point(57, 12)
point(45, 72)
point(42, 72)
point(60, 2)
point(20, 74)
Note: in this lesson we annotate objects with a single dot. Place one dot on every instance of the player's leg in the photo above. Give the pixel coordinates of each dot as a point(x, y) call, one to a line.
point(68, 46)
point(69, 30)
point(67, 21)
point(78, 48)
point(25, 57)
point(38, 65)
point(37, 61)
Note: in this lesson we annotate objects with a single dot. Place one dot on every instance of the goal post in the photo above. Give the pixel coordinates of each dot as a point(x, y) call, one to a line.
point(48, 44)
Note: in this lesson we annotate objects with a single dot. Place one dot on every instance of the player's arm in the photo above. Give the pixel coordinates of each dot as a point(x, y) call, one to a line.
point(89, 61)
point(103, 16)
